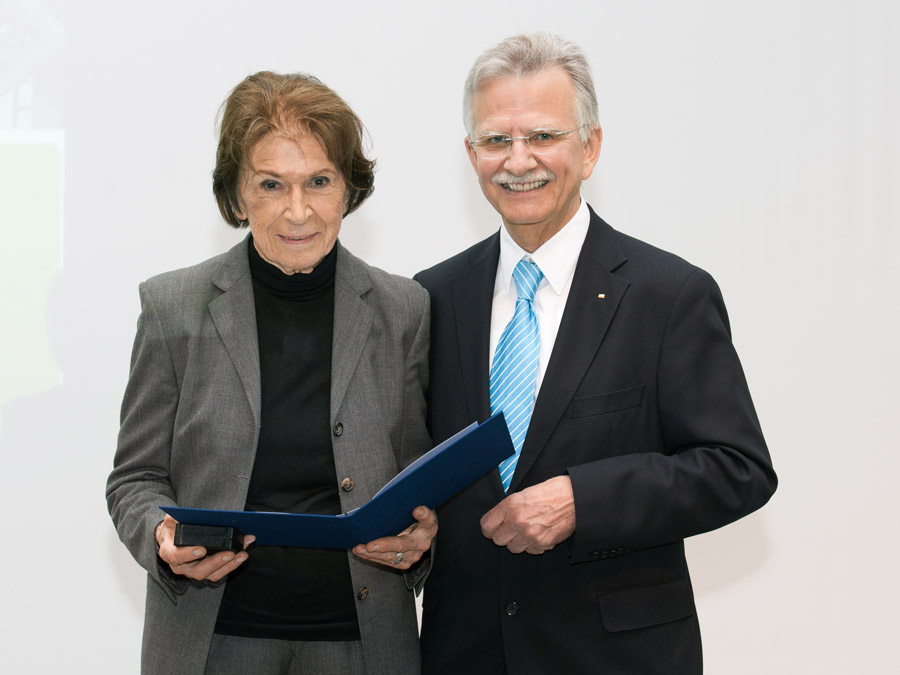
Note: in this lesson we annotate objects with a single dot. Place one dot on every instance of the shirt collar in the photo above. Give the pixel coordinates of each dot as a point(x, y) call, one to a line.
point(557, 257)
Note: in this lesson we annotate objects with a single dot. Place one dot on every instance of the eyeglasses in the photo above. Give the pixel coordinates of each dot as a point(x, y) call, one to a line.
point(495, 146)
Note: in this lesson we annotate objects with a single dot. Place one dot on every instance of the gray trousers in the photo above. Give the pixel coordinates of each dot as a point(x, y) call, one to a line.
point(229, 655)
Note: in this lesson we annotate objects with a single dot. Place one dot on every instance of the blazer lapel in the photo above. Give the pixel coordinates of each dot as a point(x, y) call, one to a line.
point(234, 315)
point(352, 322)
point(472, 295)
point(585, 321)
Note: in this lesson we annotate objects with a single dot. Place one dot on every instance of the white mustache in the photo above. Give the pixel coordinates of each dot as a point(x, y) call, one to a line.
point(538, 175)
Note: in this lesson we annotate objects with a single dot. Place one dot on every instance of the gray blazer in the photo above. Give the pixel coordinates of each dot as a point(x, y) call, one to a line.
point(190, 424)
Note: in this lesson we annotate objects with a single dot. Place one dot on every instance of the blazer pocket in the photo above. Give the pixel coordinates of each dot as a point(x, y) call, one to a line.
point(600, 404)
point(645, 606)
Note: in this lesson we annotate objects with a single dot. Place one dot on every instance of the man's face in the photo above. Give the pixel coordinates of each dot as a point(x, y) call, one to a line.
point(535, 194)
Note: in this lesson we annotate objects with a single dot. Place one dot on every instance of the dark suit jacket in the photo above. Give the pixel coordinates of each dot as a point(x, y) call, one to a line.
point(191, 420)
point(645, 406)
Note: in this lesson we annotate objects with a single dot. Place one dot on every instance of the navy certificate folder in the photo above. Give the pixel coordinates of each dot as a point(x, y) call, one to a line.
point(430, 480)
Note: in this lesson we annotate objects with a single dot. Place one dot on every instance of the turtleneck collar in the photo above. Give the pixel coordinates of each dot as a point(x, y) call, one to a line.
point(293, 286)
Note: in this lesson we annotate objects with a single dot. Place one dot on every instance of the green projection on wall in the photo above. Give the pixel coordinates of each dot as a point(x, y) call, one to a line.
point(30, 258)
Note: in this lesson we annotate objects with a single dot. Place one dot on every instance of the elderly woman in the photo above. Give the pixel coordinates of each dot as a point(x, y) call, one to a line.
point(284, 375)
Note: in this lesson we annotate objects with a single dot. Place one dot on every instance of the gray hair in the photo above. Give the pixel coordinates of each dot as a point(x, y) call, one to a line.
point(531, 53)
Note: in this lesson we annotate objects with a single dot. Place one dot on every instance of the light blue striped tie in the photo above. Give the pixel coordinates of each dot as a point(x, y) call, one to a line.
point(514, 371)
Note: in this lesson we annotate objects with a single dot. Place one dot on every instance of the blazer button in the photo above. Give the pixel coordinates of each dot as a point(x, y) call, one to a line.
point(347, 484)
point(363, 593)
point(338, 429)
point(512, 609)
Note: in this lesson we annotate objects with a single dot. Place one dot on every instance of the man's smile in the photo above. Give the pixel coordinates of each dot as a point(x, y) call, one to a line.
point(524, 187)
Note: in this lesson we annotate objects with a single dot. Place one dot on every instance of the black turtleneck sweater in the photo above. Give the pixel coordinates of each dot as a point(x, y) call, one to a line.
point(293, 593)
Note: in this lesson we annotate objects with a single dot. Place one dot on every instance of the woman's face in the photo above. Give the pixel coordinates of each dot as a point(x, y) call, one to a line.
point(294, 199)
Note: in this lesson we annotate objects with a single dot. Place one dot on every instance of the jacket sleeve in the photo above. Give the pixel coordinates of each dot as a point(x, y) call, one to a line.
point(415, 435)
point(139, 482)
point(714, 466)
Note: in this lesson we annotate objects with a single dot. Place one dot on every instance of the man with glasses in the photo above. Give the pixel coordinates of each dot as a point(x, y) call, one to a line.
point(613, 365)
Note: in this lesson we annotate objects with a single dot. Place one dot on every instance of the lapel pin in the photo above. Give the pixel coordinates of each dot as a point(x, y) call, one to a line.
point(602, 296)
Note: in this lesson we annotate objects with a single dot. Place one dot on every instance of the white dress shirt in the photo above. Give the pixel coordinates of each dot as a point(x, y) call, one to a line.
point(557, 258)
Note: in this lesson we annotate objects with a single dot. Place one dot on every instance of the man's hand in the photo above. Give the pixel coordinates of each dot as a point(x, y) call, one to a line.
point(192, 561)
point(533, 520)
point(404, 550)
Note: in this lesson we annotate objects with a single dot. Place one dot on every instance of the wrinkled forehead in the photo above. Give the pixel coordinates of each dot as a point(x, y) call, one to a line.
point(545, 99)
point(289, 156)
point(299, 140)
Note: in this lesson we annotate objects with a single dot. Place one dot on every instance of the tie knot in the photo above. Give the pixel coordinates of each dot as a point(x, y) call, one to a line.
point(527, 276)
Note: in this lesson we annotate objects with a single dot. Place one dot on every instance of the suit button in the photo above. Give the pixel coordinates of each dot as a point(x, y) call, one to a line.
point(347, 484)
point(338, 429)
point(512, 609)
point(363, 593)
point(596, 555)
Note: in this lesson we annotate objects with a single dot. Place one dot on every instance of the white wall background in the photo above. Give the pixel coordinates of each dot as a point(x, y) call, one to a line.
point(760, 140)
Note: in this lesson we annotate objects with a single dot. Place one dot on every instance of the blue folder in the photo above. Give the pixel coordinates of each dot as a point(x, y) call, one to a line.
point(430, 480)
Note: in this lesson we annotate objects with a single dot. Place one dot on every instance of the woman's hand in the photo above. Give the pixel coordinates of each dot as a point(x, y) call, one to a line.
point(192, 561)
point(407, 548)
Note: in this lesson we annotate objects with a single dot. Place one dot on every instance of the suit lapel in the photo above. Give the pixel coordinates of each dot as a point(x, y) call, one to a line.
point(352, 322)
point(585, 321)
point(472, 295)
point(234, 315)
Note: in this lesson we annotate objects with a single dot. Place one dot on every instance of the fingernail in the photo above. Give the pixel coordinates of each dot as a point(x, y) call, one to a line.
point(376, 547)
point(198, 552)
point(226, 558)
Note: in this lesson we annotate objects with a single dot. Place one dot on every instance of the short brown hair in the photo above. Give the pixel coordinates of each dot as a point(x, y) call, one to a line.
point(267, 102)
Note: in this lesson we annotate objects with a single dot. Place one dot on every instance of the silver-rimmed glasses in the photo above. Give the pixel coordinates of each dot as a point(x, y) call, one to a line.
point(495, 146)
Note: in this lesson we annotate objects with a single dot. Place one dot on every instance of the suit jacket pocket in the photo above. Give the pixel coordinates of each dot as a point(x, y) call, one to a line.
point(600, 404)
point(645, 606)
